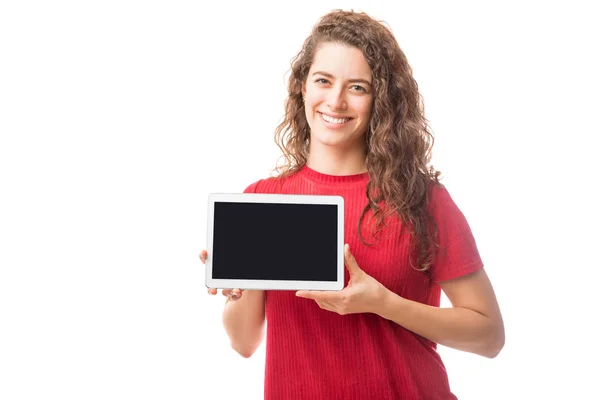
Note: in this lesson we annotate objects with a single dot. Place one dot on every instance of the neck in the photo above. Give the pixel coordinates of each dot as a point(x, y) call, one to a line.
point(330, 161)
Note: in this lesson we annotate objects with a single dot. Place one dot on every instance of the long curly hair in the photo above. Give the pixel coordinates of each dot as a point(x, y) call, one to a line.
point(398, 138)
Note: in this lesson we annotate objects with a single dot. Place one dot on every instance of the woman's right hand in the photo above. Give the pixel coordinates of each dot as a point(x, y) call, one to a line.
point(231, 294)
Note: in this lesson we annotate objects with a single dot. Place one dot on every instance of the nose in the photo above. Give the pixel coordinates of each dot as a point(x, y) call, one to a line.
point(336, 99)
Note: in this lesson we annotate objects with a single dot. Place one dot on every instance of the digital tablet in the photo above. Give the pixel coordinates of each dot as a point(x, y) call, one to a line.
point(275, 242)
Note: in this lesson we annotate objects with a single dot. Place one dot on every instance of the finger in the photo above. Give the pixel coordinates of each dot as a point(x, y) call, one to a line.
point(323, 305)
point(236, 294)
point(212, 291)
point(350, 261)
point(203, 256)
point(316, 295)
point(232, 294)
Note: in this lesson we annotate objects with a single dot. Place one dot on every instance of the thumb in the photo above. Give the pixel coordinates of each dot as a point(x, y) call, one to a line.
point(350, 261)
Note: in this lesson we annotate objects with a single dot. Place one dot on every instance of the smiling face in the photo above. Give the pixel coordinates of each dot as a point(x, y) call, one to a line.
point(338, 98)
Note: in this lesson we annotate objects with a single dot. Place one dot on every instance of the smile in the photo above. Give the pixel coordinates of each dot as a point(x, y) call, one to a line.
point(332, 120)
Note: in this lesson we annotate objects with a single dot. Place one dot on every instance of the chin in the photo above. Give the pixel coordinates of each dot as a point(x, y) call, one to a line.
point(332, 138)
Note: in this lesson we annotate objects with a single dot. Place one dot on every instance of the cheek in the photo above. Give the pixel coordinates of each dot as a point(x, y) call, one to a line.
point(314, 95)
point(309, 113)
point(363, 109)
point(312, 100)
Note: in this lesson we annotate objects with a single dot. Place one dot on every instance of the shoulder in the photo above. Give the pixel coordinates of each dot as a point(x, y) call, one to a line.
point(449, 218)
point(438, 194)
point(440, 200)
point(270, 184)
point(253, 186)
point(457, 253)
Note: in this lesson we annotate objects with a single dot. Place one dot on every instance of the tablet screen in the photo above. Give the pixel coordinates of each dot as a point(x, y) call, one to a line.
point(272, 241)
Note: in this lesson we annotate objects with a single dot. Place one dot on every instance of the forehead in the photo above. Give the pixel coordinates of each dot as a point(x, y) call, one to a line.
point(341, 61)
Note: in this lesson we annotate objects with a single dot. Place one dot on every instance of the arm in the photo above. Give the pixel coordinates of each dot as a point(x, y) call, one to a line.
point(473, 323)
point(244, 318)
point(244, 321)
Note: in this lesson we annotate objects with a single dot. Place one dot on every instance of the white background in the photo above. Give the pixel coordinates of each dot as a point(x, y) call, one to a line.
point(117, 118)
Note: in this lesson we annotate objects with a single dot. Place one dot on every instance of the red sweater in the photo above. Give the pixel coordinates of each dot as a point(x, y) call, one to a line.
point(314, 354)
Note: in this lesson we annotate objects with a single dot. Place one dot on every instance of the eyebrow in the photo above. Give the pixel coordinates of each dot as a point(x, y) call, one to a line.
point(328, 75)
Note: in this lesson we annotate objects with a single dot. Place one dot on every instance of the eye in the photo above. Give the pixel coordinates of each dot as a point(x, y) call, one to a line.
point(322, 81)
point(358, 88)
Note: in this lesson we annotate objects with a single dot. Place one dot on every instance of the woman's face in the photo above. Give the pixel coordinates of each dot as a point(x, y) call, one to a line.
point(338, 96)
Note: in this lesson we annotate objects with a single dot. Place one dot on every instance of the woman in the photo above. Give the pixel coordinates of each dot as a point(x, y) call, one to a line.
point(354, 126)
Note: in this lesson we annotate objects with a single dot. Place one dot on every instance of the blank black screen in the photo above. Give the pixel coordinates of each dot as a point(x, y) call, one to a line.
point(275, 241)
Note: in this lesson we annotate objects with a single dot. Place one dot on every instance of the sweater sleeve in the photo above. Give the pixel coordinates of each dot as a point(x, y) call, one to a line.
point(457, 254)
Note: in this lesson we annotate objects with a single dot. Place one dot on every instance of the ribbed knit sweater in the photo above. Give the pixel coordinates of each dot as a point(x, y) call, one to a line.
point(314, 354)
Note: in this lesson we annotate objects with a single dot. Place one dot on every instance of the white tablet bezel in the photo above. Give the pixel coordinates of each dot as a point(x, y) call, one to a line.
point(338, 284)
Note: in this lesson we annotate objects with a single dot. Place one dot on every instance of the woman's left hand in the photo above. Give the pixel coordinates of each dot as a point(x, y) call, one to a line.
point(363, 294)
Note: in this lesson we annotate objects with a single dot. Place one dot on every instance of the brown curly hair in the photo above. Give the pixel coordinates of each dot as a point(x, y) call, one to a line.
point(398, 138)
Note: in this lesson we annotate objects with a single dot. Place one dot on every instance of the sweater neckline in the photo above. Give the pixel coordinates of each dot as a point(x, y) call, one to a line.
point(327, 179)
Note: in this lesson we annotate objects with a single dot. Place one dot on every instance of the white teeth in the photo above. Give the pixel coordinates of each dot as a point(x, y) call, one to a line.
point(334, 120)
